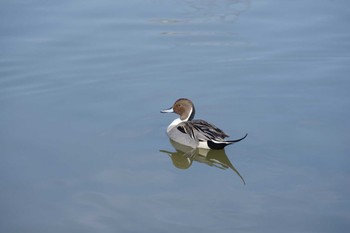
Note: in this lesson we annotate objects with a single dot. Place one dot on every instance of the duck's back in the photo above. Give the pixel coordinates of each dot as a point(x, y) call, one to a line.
point(205, 131)
point(192, 132)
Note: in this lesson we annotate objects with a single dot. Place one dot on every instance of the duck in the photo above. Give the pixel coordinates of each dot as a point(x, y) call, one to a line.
point(195, 133)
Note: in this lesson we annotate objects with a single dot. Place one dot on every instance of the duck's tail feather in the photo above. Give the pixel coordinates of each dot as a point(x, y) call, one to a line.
point(237, 140)
point(216, 145)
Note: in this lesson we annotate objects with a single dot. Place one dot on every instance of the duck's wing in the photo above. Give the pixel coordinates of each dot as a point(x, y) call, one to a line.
point(201, 130)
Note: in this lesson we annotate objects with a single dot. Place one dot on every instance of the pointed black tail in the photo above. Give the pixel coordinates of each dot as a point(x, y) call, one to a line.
point(237, 140)
point(220, 145)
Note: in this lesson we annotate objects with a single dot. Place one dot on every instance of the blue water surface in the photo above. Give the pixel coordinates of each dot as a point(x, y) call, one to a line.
point(83, 146)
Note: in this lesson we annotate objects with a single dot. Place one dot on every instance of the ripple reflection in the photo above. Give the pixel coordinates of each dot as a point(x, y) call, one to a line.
point(184, 156)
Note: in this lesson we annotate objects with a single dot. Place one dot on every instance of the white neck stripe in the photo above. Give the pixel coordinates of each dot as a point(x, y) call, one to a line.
point(189, 115)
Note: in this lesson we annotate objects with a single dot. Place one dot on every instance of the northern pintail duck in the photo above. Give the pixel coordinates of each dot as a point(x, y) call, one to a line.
point(195, 133)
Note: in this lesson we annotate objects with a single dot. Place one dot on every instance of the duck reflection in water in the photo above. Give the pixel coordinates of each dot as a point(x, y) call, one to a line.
point(183, 157)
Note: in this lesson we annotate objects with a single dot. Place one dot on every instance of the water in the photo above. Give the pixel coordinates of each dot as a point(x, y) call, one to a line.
point(83, 145)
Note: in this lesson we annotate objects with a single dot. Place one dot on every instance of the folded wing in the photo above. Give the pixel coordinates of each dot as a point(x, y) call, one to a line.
point(201, 130)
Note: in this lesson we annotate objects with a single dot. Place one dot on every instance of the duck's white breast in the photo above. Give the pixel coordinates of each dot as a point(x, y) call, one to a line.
point(173, 124)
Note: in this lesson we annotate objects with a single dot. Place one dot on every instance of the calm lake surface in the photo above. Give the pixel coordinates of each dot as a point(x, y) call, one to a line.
point(83, 146)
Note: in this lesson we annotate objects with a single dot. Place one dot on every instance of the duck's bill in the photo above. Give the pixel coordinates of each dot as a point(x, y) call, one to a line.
point(167, 110)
